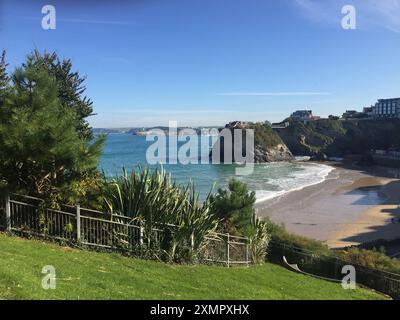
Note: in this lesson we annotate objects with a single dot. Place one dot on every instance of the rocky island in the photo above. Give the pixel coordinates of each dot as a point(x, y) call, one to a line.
point(268, 146)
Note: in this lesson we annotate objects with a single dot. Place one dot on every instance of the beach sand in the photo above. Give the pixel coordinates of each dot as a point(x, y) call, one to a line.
point(350, 207)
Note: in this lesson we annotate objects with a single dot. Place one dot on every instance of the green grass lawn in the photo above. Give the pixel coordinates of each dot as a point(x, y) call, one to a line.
point(91, 275)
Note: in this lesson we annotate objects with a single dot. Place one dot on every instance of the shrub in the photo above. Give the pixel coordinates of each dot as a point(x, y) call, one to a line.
point(371, 259)
point(154, 197)
point(259, 239)
point(280, 235)
point(235, 208)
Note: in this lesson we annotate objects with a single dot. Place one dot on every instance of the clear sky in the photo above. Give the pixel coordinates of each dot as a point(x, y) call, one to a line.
point(207, 62)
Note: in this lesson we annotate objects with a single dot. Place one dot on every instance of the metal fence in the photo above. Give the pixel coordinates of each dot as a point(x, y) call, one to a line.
point(226, 249)
point(27, 216)
point(331, 268)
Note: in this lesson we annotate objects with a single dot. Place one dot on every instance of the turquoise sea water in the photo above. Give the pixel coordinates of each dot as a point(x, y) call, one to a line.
point(268, 180)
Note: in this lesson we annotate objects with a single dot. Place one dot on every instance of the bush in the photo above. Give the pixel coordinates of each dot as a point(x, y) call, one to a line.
point(235, 209)
point(259, 239)
point(280, 235)
point(156, 199)
point(372, 259)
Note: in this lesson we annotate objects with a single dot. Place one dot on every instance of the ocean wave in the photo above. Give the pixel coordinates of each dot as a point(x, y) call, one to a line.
point(307, 175)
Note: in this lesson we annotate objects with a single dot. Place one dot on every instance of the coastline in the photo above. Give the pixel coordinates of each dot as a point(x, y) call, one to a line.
point(321, 175)
point(351, 206)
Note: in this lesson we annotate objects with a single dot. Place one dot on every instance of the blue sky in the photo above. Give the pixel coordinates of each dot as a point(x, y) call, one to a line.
point(207, 62)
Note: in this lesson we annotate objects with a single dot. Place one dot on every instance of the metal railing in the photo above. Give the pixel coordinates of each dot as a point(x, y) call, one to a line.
point(331, 267)
point(27, 216)
point(227, 249)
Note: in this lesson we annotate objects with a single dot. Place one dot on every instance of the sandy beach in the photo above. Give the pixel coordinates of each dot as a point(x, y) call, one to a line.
point(350, 207)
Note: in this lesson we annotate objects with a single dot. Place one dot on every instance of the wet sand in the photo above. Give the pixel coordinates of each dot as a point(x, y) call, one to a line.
point(350, 207)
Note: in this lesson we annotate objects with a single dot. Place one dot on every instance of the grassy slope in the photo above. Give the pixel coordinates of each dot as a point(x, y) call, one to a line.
point(90, 275)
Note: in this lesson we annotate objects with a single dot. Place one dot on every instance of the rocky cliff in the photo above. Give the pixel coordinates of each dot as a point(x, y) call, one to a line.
point(276, 153)
point(268, 146)
point(337, 138)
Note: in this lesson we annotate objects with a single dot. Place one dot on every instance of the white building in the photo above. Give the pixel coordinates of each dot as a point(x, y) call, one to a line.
point(387, 108)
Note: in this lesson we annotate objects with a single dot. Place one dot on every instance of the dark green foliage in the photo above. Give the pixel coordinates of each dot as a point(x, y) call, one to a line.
point(41, 151)
point(70, 85)
point(311, 137)
point(4, 80)
point(339, 138)
point(363, 136)
point(154, 199)
point(234, 207)
point(265, 136)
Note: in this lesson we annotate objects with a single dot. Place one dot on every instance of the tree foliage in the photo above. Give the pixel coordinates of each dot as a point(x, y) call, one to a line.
point(155, 198)
point(70, 87)
point(42, 152)
point(4, 80)
point(234, 207)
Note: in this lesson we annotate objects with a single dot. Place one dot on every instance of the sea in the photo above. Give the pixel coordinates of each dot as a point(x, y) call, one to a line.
point(268, 180)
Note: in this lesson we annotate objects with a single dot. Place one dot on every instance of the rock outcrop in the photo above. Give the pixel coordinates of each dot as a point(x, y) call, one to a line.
point(277, 153)
point(268, 146)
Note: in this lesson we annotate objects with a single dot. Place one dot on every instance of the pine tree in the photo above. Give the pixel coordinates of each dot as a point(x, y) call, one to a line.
point(4, 81)
point(235, 207)
point(41, 150)
point(71, 88)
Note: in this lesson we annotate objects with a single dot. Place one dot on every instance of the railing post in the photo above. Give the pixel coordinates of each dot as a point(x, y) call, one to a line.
point(227, 250)
point(141, 231)
point(8, 213)
point(78, 223)
point(192, 241)
point(247, 252)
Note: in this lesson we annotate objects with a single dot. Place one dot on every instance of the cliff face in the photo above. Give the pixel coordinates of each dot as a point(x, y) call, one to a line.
point(319, 139)
point(333, 138)
point(277, 153)
point(268, 146)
